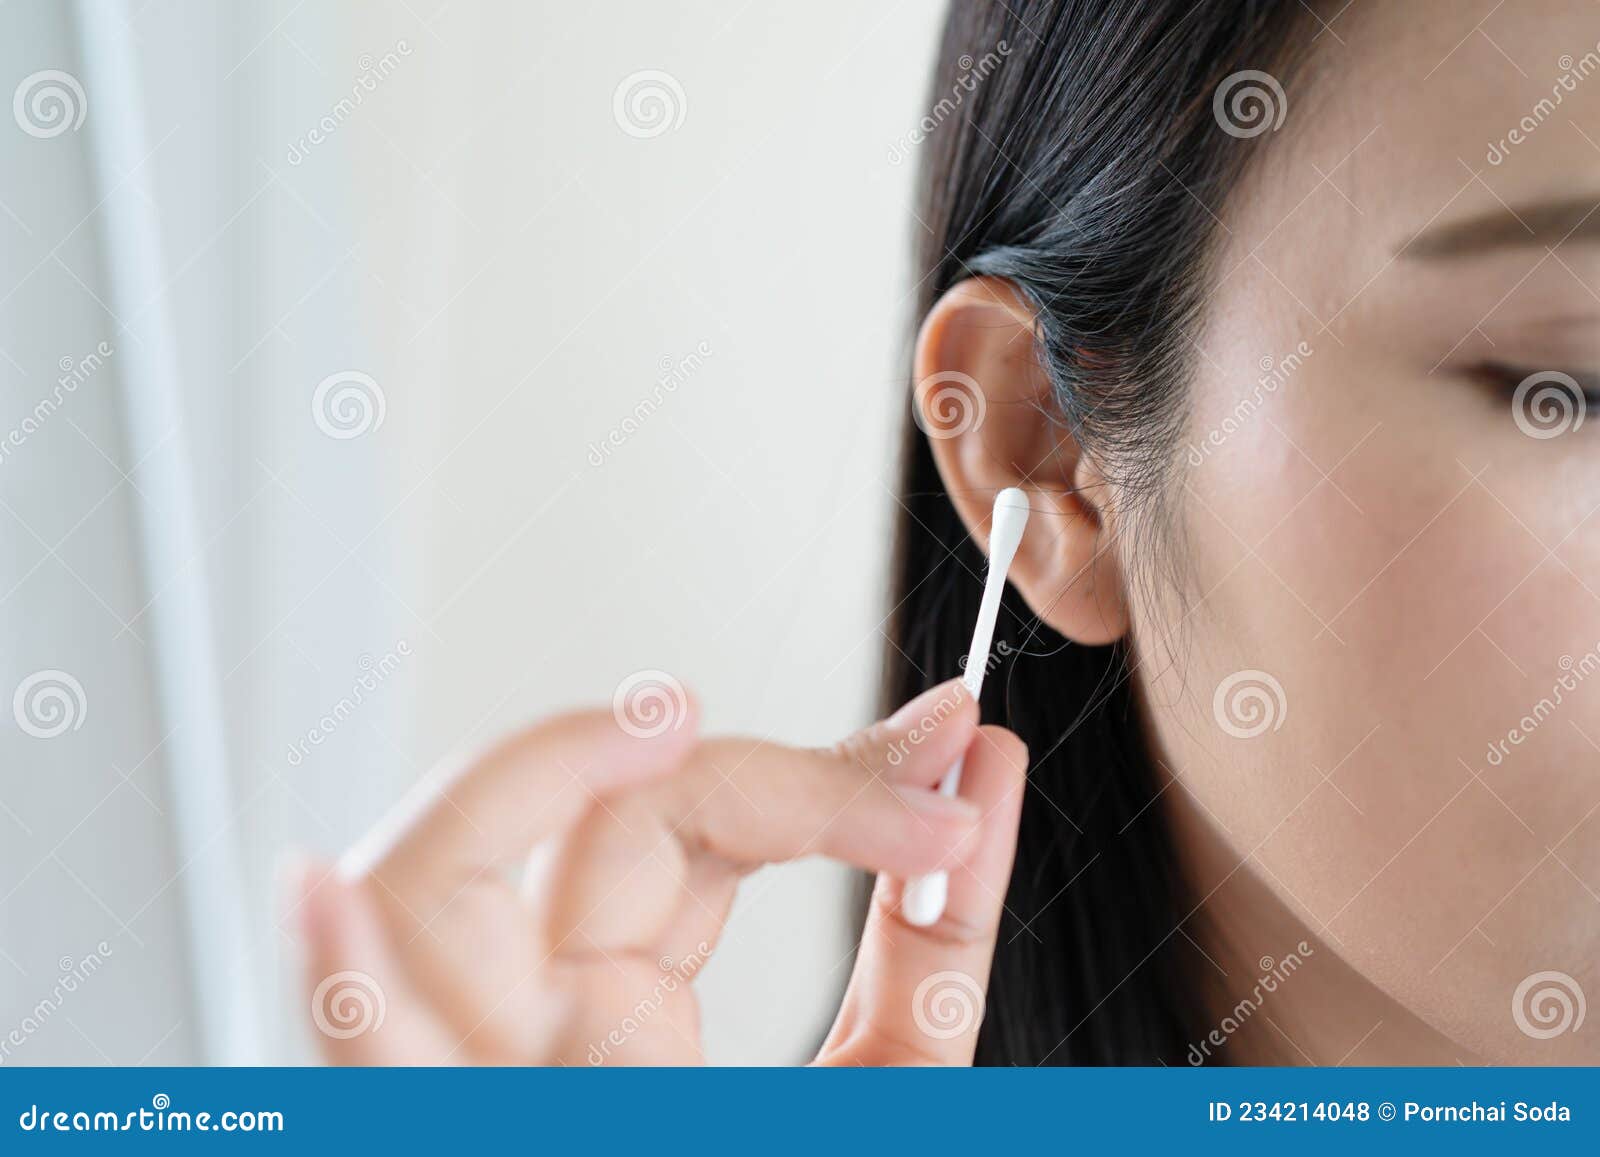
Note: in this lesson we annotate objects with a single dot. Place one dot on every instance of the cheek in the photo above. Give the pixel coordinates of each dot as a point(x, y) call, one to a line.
point(1423, 587)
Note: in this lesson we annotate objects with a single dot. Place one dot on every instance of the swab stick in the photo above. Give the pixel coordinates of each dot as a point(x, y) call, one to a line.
point(923, 901)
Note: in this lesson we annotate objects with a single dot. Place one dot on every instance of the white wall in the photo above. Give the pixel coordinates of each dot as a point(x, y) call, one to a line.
point(84, 814)
point(514, 270)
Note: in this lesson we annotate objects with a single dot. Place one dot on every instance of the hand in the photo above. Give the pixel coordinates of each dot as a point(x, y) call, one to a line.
point(629, 851)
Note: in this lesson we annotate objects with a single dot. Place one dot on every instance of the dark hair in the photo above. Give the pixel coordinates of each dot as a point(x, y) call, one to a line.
point(1084, 164)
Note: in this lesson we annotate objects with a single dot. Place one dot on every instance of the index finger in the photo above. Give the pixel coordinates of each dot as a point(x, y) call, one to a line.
point(736, 804)
point(868, 800)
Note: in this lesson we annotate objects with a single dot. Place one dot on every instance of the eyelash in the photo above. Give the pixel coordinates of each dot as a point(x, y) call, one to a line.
point(1506, 378)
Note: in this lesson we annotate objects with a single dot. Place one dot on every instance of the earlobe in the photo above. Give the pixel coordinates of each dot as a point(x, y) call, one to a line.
point(985, 405)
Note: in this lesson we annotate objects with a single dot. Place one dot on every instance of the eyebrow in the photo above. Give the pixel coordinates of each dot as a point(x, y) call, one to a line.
point(1547, 223)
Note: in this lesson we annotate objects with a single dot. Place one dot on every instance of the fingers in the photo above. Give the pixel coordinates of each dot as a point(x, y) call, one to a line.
point(612, 884)
point(629, 1009)
point(637, 844)
point(633, 870)
point(774, 804)
point(363, 1008)
point(869, 800)
point(463, 820)
point(918, 743)
point(917, 993)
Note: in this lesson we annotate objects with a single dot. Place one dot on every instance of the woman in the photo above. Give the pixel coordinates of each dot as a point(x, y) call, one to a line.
point(1286, 317)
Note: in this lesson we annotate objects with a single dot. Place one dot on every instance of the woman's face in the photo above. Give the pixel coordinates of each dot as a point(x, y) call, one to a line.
point(1383, 691)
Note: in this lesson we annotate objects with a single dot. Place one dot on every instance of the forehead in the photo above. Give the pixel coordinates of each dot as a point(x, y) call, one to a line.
point(1409, 117)
point(1445, 82)
point(1424, 112)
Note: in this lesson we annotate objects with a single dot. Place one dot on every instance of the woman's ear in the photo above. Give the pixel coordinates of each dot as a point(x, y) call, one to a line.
point(985, 405)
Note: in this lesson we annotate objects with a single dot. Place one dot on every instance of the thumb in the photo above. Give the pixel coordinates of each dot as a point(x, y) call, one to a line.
point(917, 994)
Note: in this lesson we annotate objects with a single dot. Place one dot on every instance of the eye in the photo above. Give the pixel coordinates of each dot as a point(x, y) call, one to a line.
point(1506, 380)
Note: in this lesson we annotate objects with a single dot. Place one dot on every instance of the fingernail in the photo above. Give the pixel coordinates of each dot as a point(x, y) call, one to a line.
point(934, 806)
point(934, 704)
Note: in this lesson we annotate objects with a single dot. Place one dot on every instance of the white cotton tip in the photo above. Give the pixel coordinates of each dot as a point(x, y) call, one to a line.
point(922, 903)
point(1006, 526)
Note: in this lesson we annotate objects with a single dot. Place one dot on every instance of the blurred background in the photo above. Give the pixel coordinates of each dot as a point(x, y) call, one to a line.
point(374, 377)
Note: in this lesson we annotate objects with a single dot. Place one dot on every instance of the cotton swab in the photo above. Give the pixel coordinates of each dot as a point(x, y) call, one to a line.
point(923, 901)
